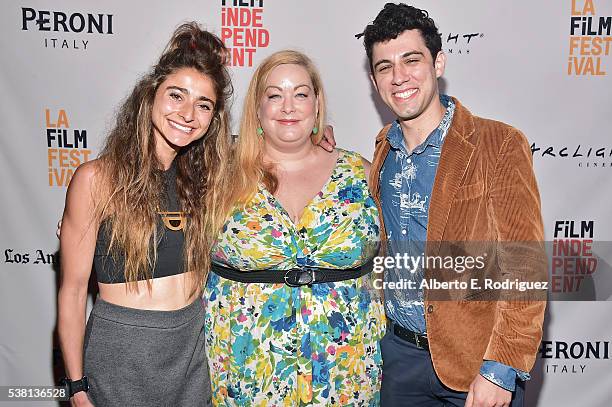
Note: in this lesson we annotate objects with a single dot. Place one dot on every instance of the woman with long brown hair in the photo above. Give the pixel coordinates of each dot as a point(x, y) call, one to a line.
point(144, 213)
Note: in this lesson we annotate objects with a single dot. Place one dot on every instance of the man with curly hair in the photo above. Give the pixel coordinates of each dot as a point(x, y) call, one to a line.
point(440, 175)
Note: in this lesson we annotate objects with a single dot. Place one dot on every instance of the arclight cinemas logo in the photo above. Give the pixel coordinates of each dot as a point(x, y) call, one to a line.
point(461, 43)
point(61, 27)
point(584, 156)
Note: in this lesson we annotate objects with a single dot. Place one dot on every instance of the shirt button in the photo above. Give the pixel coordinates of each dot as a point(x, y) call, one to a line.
point(409, 160)
point(403, 231)
point(430, 309)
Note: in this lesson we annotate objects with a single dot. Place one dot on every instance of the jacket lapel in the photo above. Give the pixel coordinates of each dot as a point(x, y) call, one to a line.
point(455, 158)
point(380, 153)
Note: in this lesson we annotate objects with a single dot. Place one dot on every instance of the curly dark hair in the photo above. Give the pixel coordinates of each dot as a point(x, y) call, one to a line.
point(393, 20)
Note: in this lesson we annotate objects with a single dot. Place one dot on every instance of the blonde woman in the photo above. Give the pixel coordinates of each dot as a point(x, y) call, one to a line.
point(291, 315)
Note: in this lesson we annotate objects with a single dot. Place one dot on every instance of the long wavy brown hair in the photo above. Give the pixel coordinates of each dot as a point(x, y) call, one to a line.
point(129, 194)
point(249, 150)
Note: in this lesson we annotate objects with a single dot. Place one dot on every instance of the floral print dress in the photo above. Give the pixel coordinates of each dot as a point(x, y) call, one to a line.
point(275, 345)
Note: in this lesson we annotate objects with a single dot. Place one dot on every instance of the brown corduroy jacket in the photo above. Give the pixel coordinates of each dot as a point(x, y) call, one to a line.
point(484, 192)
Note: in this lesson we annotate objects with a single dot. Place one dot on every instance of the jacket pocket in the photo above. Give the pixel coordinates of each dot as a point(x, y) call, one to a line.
point(470, 191)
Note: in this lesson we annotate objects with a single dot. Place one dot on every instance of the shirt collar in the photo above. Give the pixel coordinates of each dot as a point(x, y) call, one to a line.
point(395, 136)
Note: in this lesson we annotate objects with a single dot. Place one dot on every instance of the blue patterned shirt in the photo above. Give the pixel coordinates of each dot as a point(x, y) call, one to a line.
point(406, 182)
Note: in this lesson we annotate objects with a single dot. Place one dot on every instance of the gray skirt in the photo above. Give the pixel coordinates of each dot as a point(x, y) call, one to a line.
point(136, 357)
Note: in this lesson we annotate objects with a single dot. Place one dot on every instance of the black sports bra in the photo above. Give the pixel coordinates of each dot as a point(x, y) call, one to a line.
point(169, 250)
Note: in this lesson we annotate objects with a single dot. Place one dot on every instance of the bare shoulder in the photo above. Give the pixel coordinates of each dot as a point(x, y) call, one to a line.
point(326, 158)
point(85, 175)
point(82, 183)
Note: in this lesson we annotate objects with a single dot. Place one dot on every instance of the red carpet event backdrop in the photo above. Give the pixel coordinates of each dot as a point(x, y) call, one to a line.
point(544, 67)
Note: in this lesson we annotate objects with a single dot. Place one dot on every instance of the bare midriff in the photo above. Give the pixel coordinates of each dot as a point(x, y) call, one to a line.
point(166, 293)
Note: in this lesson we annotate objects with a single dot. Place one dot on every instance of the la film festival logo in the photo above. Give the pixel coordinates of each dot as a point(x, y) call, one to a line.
point(242, 30)
point(589, 40)
point(66, 147)
point(572, 255)
point(60, 27)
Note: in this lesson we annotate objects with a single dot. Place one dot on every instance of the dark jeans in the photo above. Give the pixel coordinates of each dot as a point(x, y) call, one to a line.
point(410, 380)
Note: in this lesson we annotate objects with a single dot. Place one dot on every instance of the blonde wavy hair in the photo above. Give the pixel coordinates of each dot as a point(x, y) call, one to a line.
point(129, 193)
point(251, 169)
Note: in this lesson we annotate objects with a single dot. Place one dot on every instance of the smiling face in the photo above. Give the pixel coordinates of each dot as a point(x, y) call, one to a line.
point(183, 108)
point(405, 75)
point(288, 106)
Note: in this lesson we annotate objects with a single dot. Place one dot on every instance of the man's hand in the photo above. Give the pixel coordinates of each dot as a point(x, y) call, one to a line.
point(328, 141)
point(484, 393)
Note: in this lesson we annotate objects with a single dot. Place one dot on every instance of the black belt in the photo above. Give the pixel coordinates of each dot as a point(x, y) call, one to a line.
point(419, 340)
point(295, 277)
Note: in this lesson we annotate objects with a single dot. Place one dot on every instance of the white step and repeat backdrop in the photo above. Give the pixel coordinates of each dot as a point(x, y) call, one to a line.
point(543, 66)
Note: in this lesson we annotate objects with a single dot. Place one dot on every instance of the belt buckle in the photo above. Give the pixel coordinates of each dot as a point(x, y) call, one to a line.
point(298, 277)
point(416, 341)
point(424, 345)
